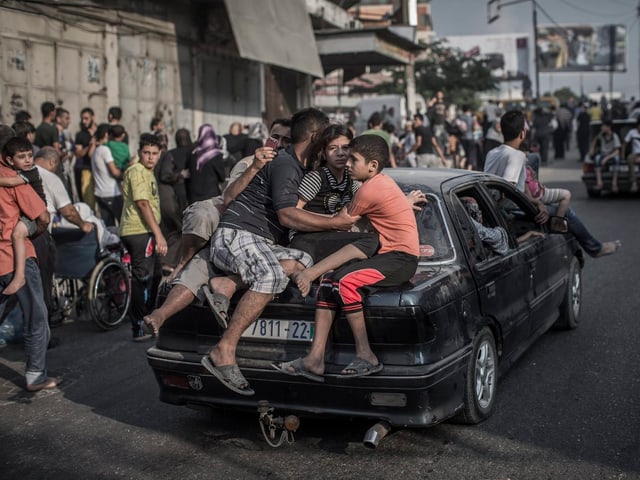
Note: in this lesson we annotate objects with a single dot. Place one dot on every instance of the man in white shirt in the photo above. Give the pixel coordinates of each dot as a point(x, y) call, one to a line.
point(58, 201)
point(106, 175)
point(508, 162)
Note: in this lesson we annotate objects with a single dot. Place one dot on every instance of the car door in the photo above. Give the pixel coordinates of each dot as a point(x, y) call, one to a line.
point(504, 281)
point(543, 255)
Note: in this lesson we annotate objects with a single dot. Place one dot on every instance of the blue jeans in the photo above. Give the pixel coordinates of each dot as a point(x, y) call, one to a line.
point(36, 326)
point(598, 160)
point(588, 243)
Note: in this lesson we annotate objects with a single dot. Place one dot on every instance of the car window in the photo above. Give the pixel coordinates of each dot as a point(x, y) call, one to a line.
point(468, 232)
point(516, 214)
point(484, 233)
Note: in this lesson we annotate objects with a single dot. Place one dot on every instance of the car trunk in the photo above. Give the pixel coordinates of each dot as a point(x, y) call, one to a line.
point(400, 332)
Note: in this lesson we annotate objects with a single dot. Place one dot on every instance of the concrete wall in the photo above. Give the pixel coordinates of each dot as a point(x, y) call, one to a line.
point(144, 65)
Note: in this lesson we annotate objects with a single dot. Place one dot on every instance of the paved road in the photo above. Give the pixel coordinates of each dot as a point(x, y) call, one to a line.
point(568, 409)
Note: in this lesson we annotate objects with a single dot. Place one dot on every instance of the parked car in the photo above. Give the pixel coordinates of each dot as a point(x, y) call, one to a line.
point(621, 127)
point(444, 338)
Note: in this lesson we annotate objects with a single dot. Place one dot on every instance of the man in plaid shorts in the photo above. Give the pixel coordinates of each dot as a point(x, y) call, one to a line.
point(246, 244)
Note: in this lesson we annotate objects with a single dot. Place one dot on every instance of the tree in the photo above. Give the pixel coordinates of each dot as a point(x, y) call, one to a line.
point(461, 76)
point(564, 94)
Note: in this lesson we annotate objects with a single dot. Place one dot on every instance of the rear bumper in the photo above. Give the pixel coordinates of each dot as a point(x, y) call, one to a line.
point(415, 396)
point(624, 182)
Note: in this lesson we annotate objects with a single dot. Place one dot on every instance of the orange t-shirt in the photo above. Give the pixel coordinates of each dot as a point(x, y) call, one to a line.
point(383, 203)
point(13, 202)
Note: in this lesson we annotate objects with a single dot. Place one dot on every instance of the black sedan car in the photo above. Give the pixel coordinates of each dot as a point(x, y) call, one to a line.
point(444, 337)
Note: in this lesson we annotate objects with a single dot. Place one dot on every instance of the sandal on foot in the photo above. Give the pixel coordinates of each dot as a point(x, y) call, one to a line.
point(229, 375)
point(219, 305)
point(361, 368)
point(296, 368)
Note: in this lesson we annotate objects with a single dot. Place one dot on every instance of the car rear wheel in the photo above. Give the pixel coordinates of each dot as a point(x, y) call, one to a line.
point(481, 381)
point(572, 302)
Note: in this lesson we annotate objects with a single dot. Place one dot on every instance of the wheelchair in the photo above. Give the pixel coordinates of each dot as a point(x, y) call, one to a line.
point(90, 280)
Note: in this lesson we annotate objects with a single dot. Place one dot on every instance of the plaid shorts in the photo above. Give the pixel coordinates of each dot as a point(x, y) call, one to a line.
point(254, 258)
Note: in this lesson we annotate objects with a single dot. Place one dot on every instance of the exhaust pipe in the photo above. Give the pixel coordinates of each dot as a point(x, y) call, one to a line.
point(375, 434)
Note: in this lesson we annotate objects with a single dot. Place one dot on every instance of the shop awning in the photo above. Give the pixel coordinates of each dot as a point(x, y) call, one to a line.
point(277, 32)
point(365, 46)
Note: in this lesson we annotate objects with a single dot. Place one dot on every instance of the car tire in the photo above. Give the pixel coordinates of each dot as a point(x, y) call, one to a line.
point(572, 302)
point(481, 381)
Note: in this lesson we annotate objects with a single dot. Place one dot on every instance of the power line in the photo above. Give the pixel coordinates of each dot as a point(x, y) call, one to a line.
point(594, 13)
point(544, 12)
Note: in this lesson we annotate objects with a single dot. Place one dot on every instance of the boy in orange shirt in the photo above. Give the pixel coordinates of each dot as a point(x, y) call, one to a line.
point(385, 206)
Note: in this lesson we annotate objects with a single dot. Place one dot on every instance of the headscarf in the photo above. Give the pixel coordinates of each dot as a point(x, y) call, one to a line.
point(471, 205)
point(207, 145)
point(258, 131)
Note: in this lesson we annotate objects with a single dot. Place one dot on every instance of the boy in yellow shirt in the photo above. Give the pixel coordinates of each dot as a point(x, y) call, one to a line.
point(140, 231)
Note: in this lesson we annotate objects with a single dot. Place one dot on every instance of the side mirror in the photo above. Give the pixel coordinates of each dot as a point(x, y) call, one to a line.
point(558, 224)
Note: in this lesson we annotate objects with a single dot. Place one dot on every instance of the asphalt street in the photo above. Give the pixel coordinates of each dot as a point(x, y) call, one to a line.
point(567, 409)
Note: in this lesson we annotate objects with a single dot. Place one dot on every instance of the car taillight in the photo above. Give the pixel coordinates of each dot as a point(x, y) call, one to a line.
point(177, 381)
point(588, 168)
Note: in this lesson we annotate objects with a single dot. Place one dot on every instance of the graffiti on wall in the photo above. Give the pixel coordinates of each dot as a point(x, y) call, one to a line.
point(93, 69)
point(17, 59)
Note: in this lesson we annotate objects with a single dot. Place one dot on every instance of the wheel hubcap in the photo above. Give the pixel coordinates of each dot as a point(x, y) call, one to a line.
point(485, 374)
point(575, 294)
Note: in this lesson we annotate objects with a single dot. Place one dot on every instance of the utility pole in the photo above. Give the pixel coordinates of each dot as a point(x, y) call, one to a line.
point(535, 47)
point(493, 18)
point(409, 8)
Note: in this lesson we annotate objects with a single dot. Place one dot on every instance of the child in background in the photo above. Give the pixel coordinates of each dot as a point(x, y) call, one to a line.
point(140, 231)
point(18, 154)
point(119, 149)
point(548, 196)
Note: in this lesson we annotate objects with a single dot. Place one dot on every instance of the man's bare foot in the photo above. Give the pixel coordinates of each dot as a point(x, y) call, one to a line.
point(14, 285)
point(303, 280)
point(609, 248)
point(153, 322)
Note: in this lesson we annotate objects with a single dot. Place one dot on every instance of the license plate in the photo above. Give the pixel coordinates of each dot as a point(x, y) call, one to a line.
point(290, 330)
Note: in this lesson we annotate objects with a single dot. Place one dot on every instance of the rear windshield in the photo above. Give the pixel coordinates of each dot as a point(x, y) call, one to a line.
point(435, 240)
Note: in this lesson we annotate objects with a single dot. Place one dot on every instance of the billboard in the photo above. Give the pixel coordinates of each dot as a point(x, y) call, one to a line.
point(582, 48)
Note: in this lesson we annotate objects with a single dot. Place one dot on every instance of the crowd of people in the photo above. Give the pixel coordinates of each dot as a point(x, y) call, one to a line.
point(447, 135)
point(250, 210)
